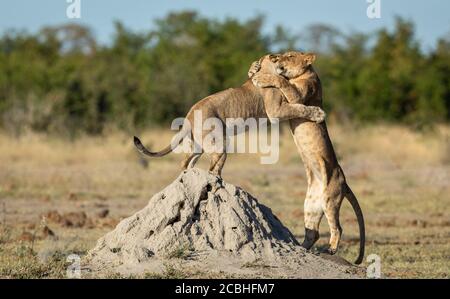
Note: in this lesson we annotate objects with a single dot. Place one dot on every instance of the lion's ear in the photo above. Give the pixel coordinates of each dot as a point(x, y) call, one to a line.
point(310, 58)
point(274, 57)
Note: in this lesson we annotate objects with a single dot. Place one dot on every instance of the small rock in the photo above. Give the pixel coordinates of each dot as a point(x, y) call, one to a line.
point(103, 213)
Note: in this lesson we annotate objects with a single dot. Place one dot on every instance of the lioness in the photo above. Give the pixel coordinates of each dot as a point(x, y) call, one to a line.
point(327, 185)
point(246, 101)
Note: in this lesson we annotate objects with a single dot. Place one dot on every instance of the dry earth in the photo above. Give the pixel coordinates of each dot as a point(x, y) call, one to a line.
point(58, 197)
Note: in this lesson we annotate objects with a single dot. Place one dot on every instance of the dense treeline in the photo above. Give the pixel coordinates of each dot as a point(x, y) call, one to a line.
point(60, 80)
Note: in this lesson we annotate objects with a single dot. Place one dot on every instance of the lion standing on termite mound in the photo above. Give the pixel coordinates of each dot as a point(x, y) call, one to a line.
point(246, 101)
point(327, 185)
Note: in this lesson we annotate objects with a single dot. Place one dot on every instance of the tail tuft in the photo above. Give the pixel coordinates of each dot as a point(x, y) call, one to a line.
point(143, 150)
point(137, 142)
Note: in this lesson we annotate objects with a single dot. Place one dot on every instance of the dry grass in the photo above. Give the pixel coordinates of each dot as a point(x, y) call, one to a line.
point(400, 177)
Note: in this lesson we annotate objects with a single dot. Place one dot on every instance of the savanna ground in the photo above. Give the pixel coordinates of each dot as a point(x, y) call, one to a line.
point(58, 197)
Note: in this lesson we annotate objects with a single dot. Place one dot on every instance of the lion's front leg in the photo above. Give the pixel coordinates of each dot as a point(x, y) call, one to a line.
point(279, 109)
point(289, 91)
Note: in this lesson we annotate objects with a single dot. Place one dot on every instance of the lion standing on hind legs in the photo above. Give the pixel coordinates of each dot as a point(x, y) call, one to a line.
point(327, 185)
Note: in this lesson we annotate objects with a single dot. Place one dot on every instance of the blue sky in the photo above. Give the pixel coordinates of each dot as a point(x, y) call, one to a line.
point(430, 16)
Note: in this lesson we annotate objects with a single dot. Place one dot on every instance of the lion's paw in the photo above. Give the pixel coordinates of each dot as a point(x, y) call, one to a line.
point(254, 68)
point(317, 114)
point(265, 80)
point(331, 251)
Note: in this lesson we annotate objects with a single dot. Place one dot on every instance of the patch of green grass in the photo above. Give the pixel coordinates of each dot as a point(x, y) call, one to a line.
point(22, 262)
point(171, 272)
point(182, 252)
point(5, 234)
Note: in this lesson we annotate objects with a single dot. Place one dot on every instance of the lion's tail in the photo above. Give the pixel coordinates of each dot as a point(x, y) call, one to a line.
point(362, 230)
point(178, 138)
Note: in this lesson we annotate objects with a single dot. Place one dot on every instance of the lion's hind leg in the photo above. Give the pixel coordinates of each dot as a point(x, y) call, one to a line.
point(313, 212)
point(217, 154)
point(331, 209)
point(217, 162)
point(190, 160)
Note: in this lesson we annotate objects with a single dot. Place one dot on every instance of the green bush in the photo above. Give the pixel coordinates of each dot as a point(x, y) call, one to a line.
point(61, 81)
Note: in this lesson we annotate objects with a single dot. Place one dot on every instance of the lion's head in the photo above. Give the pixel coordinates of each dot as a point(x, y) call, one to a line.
point(268, 63)
point(294, 64)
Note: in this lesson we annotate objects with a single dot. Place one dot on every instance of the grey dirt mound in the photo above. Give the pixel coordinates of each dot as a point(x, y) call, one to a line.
point(200, 224)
